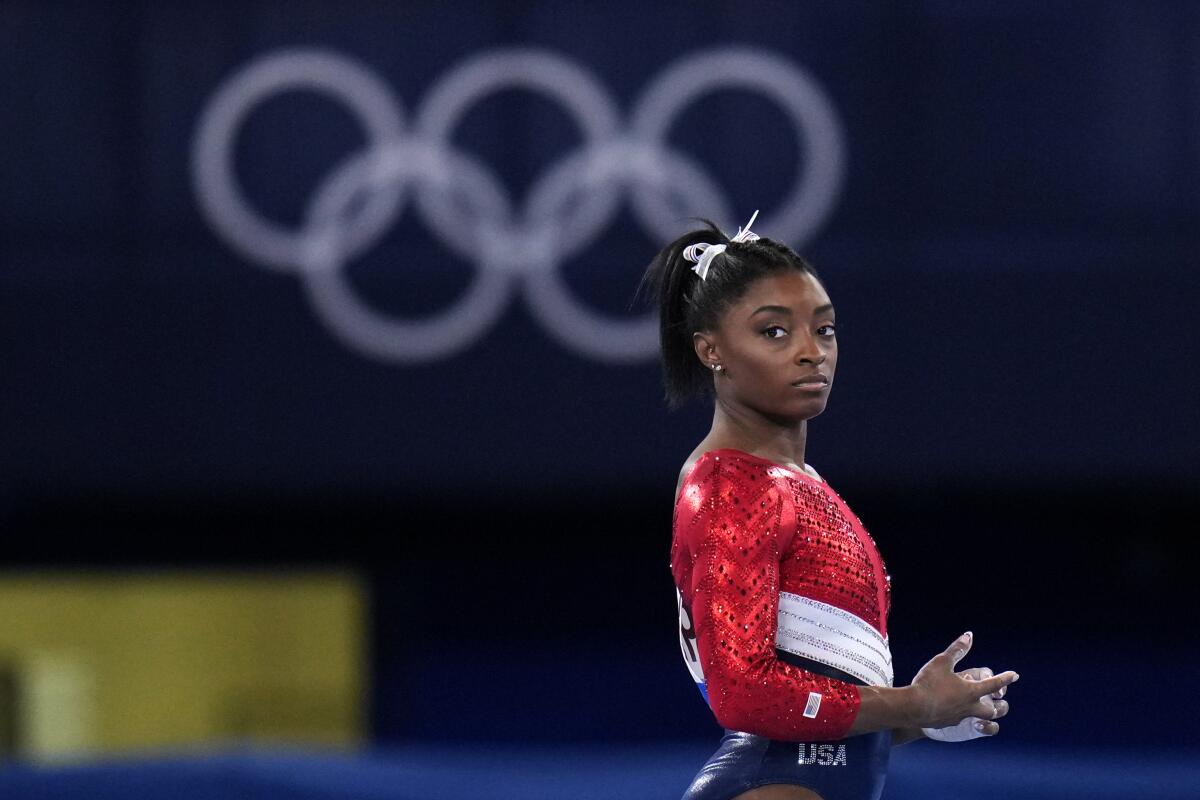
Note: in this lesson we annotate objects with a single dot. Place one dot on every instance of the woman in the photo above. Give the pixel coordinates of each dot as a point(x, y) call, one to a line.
point(783, 596)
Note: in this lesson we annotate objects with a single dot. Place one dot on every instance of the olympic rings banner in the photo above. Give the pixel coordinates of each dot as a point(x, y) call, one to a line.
point(519, 242)
point(368, 245)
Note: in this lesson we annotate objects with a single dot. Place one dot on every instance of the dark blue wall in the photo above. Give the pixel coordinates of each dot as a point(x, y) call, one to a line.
point(1012, 247)
point(1010, 233)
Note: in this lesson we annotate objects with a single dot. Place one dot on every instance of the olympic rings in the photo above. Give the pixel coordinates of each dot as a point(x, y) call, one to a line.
point(463, 202)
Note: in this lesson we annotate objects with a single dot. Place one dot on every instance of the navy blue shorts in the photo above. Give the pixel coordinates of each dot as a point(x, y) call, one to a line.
point(845, 769)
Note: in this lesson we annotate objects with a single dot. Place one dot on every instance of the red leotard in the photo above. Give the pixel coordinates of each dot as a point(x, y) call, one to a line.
point(746, 529)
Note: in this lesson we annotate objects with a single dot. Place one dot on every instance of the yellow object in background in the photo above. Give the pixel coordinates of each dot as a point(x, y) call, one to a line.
point(94, 664)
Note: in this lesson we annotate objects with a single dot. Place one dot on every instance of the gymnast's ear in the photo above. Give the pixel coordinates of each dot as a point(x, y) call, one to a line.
point(706, 349)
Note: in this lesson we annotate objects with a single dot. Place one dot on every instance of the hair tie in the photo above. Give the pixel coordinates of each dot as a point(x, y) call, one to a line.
point(702, 253)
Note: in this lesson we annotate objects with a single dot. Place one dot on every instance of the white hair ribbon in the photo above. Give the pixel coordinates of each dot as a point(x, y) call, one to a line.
point(702, 253)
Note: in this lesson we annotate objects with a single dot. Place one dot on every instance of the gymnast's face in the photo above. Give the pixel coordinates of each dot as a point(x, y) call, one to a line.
point(776, 346)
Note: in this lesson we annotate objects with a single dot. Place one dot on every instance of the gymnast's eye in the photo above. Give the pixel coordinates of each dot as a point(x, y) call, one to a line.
point(774, 332)
point(826, 330)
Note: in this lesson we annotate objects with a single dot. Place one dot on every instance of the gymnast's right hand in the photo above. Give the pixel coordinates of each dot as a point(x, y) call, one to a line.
point(945, 697)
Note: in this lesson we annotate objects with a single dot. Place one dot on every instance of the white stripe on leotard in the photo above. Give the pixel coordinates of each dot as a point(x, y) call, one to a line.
point(833, 636)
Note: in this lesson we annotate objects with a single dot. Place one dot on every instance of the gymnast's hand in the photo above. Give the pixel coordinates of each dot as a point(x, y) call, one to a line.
point(946, 697)
point(994, 700)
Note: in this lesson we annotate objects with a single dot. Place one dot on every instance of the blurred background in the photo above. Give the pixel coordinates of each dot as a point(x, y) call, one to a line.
point(333, 456)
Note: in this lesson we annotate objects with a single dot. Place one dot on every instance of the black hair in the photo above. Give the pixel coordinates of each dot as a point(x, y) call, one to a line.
point(687, 303)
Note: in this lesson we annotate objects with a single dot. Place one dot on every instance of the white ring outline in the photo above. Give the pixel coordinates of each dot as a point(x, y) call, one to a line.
point(213, 172)
point(794, 90)
point(355, 322)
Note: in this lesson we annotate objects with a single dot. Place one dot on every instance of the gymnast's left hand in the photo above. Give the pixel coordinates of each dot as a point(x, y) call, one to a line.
point(988, 727)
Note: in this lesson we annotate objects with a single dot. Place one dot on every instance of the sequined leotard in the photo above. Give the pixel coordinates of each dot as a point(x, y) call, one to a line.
point(783, 603)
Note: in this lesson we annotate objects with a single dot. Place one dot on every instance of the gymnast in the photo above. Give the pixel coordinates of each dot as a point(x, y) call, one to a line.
point(783, 596)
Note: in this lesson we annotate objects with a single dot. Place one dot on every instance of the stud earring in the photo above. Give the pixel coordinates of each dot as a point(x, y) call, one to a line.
point(716, 367)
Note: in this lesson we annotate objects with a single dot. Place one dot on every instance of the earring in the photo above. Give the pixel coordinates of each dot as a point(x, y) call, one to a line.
point(716, 367)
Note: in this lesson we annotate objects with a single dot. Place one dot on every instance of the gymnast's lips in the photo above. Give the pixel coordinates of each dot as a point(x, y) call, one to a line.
point(817, 381)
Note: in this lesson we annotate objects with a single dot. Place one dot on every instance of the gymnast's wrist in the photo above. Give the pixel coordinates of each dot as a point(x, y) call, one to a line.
point(913, 706)
point(883, 707)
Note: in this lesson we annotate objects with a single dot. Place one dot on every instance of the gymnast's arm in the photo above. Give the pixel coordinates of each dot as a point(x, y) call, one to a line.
point(735, 539)
point(735, 581)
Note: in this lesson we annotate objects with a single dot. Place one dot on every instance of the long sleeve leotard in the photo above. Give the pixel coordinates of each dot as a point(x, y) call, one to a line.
point(748, 533)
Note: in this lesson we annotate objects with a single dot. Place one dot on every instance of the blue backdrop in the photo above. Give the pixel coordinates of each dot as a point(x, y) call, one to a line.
point(356, 282)
point(1010, 240)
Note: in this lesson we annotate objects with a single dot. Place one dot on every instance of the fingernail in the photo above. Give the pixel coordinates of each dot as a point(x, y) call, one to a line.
point(979, 725)
point(968, 635)
point(1016, 677)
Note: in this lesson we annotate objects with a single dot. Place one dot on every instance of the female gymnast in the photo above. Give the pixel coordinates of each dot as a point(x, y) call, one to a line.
point(783, 596)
